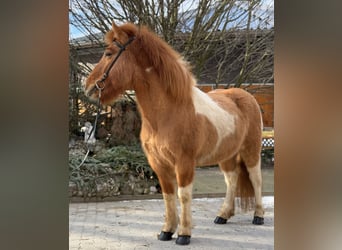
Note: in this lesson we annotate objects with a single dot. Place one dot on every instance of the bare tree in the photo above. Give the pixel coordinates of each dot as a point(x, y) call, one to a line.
point(198, 29)
point(226, 41)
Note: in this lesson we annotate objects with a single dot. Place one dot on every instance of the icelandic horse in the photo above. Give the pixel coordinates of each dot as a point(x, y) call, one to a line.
point(182, 127)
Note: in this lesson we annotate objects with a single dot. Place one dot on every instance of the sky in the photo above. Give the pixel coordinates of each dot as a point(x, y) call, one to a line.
point(75, 33)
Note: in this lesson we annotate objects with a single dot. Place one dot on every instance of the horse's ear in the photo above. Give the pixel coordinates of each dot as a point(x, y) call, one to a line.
point(115, 28)
point(117, 31)
point(123, 32)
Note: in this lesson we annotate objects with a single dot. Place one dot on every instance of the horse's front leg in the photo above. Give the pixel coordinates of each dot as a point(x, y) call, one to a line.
point(167, 179)
point(185, 174)
point(171, 217)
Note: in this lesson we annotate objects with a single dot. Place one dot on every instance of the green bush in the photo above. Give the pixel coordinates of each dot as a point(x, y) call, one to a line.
point(103, 168)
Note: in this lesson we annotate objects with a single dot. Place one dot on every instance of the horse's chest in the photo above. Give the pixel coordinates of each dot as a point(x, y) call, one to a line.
point(158, 151)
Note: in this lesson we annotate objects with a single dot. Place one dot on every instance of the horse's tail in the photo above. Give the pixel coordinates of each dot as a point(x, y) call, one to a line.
point(245, 190)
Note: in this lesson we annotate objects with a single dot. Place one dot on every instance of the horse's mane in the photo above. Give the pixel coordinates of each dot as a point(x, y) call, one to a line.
point(173, 71)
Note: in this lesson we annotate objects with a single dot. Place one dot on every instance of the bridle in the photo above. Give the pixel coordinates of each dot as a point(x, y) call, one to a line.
point(100, 82)
point(100, 87)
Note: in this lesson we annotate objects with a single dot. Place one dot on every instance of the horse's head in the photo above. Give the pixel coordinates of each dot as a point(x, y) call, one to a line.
point(118, 66)
point(135, 58)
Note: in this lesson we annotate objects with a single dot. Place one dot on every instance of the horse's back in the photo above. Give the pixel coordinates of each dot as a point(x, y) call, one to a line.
point(243, 100)
point(235, 94)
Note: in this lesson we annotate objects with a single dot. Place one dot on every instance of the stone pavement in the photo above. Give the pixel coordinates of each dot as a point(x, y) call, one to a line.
point(135, 224)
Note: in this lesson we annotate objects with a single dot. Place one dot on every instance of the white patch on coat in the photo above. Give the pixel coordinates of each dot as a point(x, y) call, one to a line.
point(149, 69)
point(223, 121)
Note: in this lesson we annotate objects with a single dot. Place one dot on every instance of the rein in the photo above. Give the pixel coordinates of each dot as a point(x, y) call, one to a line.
point(100, 88)
point(93, 128)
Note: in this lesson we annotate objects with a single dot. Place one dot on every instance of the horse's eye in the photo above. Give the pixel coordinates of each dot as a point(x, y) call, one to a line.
point(108, 53)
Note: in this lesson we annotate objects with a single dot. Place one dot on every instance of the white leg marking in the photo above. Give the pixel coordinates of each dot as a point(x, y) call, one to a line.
point(171, 217)
point(227, 209)
point(255, 177)
point(185, 198)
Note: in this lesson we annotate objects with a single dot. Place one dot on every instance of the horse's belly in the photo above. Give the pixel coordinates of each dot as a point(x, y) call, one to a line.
point(222, 152)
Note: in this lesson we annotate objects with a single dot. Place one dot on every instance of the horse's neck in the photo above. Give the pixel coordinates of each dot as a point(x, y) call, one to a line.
point(156, 106)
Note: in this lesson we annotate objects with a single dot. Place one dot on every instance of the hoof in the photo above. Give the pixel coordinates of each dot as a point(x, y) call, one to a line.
point(183, 240)
point(165, 236)
point(220, 220)
point(258, 220)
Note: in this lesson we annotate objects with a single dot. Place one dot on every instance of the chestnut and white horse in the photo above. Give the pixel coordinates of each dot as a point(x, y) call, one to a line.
point(182, 127)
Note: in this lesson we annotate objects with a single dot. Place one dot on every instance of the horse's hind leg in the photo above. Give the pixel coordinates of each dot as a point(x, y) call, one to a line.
point(256, 179)
point(253, 165)
point(231, 173)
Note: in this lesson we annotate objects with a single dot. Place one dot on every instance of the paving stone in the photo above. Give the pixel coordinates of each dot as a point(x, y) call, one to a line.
point(136, 224)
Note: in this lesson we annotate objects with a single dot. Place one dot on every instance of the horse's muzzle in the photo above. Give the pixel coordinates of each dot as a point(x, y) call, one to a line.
point(89, 92)
point(99, 85)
